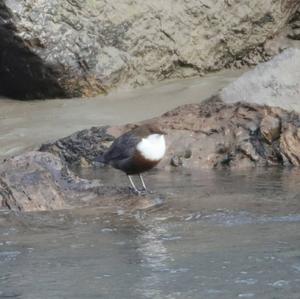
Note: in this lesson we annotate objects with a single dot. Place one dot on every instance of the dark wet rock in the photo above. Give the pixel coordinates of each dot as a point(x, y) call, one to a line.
point(75, 48)
point(81, 147)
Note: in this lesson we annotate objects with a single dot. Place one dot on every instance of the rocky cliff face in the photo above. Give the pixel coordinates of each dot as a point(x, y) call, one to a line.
point(75, 48)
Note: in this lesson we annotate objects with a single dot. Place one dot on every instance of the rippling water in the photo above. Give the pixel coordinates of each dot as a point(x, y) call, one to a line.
point(219, 234)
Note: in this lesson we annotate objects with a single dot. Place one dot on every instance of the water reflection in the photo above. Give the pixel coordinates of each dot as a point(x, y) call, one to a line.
point(155, 259)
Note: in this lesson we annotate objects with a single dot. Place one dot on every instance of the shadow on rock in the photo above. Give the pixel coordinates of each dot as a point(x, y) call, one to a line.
point(23, 74)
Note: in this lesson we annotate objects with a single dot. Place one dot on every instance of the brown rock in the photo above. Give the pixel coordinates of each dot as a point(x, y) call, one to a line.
point(206, 135)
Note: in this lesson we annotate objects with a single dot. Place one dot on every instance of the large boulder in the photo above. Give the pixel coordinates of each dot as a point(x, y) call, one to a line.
point(274, 83)
point(75, 48)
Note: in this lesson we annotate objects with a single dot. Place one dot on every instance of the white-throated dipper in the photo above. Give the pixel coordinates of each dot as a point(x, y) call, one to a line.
point(136, 151)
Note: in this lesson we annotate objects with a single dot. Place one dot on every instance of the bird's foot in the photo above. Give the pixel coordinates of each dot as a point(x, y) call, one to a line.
point(143, 192)
point(147, 191)
point(138, 192)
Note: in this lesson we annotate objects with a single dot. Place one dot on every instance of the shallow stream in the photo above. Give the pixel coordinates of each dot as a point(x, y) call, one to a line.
point(218, 234)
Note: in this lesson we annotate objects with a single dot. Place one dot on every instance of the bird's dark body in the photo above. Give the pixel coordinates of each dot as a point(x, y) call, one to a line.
point(123, 154)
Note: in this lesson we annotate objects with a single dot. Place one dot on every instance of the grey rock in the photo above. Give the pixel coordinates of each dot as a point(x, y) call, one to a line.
point(274, 83)
point(82, 48)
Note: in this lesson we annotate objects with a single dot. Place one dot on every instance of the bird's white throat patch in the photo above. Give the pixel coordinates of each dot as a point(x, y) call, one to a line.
point(152, 147)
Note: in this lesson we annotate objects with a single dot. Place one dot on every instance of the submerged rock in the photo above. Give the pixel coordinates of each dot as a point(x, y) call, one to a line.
point(76, 48)
point(38, 181)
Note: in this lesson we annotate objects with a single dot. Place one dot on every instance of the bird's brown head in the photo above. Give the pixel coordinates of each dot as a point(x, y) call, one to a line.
point(148, 129)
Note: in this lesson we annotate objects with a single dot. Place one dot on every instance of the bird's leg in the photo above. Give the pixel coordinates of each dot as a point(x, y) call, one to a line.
point(145, 189)
point(143, 183)
point(132, 184)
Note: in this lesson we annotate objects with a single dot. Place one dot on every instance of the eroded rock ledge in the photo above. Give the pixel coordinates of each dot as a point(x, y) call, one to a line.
point(206, 135)
point(82, 48)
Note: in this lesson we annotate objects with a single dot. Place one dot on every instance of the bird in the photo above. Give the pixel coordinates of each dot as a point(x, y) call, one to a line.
point(136, 151)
